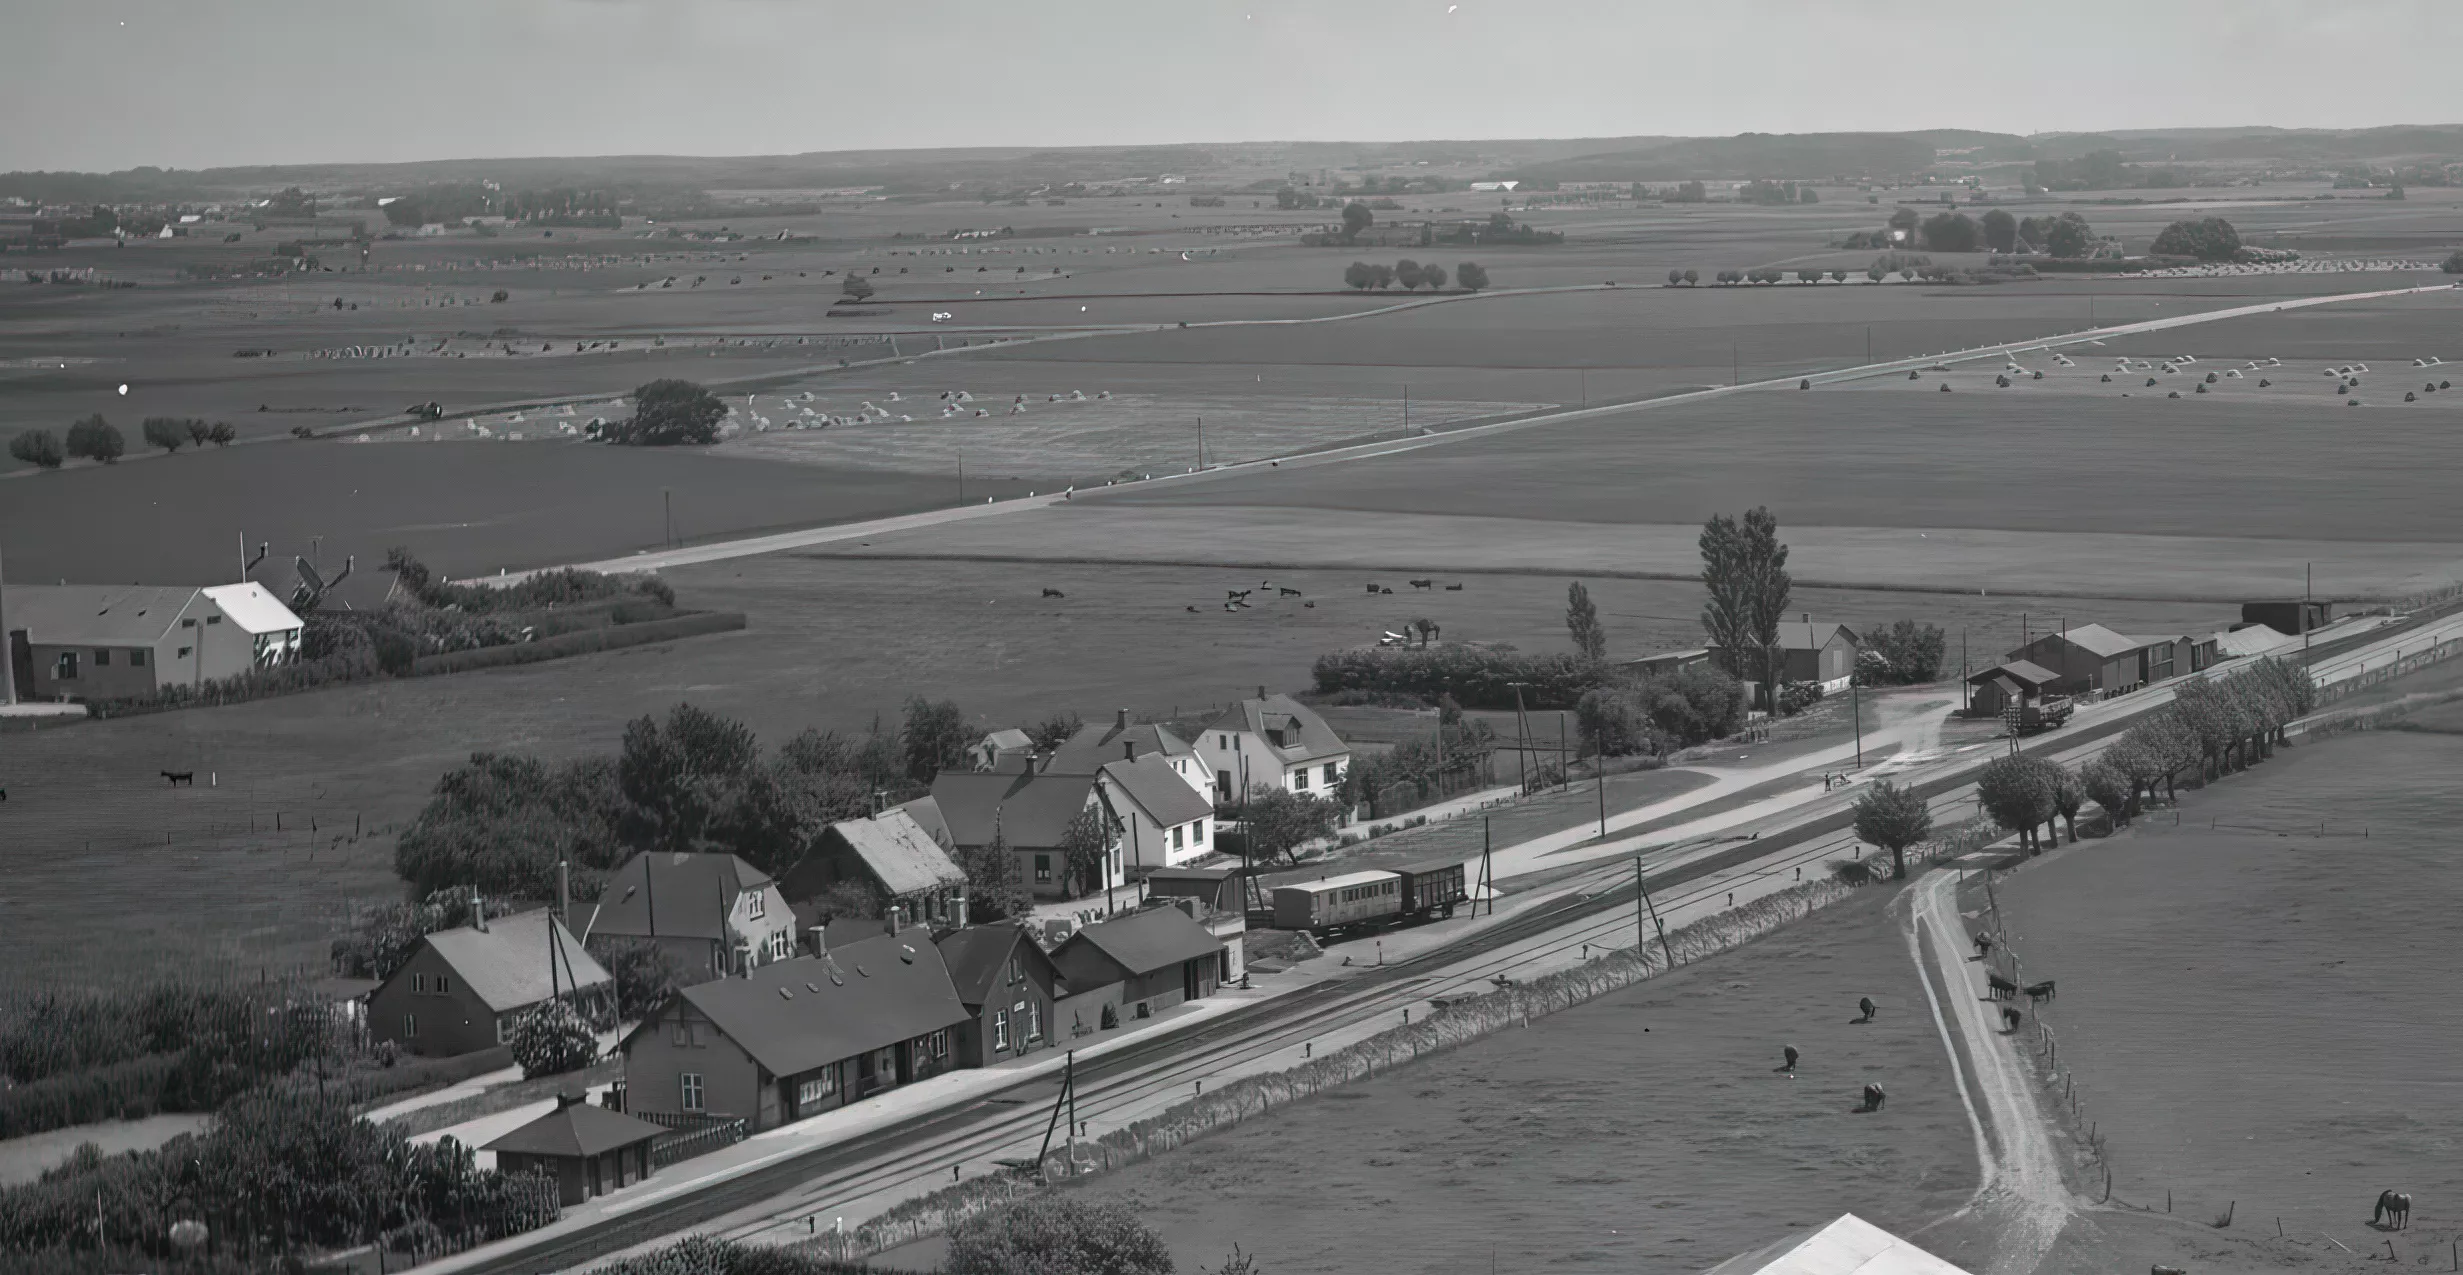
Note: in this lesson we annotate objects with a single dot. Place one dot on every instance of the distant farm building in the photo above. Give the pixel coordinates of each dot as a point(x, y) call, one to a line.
point(94, 642)
point(2290, 615)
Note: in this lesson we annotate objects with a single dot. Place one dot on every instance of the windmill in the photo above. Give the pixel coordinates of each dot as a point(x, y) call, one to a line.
point(311, 587)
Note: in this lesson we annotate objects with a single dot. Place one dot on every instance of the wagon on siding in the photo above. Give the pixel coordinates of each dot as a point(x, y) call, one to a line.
point(1339, 903)
point(1432, 889)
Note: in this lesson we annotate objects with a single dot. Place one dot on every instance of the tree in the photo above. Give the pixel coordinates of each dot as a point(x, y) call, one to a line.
point(1381, 276)
point(1910, 652)
point(936, 738)
point(165, 433)
point(552, 1040)
point(2108, 786)
point(2000, 231)
point(198, 430)
point(1434, 276)
point(1806, 195)
point(1614, 722)
point(222, 434)
point(1358, 275)
point(1086, 851)
point(1053, 731)
point(39, 447)
point(1893, 818)
point(1744, 568)
point(2453, 264)
point(994, 890)
point(856, 287)
point(2069, 794)
point(2212, 239)
point(644, 972)
point(96, 439)
point(1278, 821)
point(1904, 221)
point(1056, 1235)
point(501, 822)
point(670, 412)
point(1582, 623)
point(696, 782)
point(1808, 276)
point(1472, 276)
point(1407, 273)
point(1356, 218)
point(2013, 790)
point(1951, 232)
point(1675, 277)
point(2068, 236)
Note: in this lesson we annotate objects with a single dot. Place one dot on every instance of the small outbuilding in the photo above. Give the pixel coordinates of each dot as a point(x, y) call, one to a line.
point(588, 1150)
point(2005, 686)
point(2290, 615)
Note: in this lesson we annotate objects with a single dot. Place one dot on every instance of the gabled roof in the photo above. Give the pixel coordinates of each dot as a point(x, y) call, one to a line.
point(899, 853)
point(689, 896)
point(94, 614)
point(1031, 810)
point(1848, 1246)
point(1158, 790)
point(798, 1014)
point(2022, 672)
point(1006, 740)
point(2254, 639)
point(253, 607)
point(1311, 737)
point(506, 965)
point(927, 815)
point(1143, 942)
point(978, 954)
point(577, 1129)
point(2098, 641)
point(1099, 744)
point(1804, 636)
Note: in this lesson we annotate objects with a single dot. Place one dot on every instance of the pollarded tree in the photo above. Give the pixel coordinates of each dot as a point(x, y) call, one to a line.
point(198, 430)
point(1693, 277)
point(164, 432)
point(1434, 277)
point(96, 439)
point(1472, 276)
point(671, 412)
point(1808, 276)
point(38, 447)
point(2108, 786)
point(2069, 793)
point(2016, 796)
point(1381, 276)
point(1358, 275)
point(1407, 273)
point(1894, 818)
point(221, 434)
point(1086, 851)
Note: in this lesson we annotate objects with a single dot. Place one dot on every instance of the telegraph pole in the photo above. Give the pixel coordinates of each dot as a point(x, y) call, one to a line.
point(1643, 892)
point(1522, 740)
point(2308, 569)
point(1855, 701)
point(1201, 444)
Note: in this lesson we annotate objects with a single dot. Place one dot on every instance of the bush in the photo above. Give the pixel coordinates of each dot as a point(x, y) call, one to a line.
point(1472, 276)
point(96, 439)
point(2453, 264)
point(552, 1040)
point(1796, 697)
point(671, 412)
point(221, 434)
point(38, 447)
point(1478, 677)
point(2212, 239)
point(1057, 1235)
point(1907, 653)
point(169, 434)
point(709, 1255)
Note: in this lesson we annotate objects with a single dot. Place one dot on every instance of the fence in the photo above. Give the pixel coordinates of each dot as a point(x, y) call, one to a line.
point(679, 1146)
point(2403, 663)
point(1458, 1022)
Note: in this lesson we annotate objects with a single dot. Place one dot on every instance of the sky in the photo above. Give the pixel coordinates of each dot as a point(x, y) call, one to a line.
point(102, 85)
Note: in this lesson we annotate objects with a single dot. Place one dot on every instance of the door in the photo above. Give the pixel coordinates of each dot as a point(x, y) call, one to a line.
point(1188, 980)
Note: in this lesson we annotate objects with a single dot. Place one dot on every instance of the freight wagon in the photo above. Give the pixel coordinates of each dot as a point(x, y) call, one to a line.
point(1370, 898)
point(1432, 889)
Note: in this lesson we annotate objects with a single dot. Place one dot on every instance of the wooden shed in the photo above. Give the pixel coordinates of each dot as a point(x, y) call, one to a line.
point(588, 1150)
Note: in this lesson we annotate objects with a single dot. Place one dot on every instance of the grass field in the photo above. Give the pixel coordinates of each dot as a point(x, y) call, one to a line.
point(1644, 1131)
point(2243, 1005)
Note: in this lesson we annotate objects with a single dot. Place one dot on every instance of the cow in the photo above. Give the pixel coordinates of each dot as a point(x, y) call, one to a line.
point(1873, 1098)
point(1455, 587)
point(1054, 593)
point(1373, 588)
point(1288, 592)
point(1237, 595)
point(1423, 584)
point(178, 777)
point(2040, 992)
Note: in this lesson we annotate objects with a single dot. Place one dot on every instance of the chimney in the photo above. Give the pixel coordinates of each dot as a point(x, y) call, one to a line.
point(1261, 691)
point(820, 940)
point(478, 912)
point(564, 1100)
point(961, 903)
point(1121, 722)
point(564, 893)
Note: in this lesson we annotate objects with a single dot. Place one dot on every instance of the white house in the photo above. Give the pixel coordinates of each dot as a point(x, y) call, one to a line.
point(1163, 822)
point(94, 642)
point(988, 751)
point(273, 631)
point(1273, 741)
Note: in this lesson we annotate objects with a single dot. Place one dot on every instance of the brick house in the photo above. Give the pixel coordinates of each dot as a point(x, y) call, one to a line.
point(1008, 985)
point(462, 989)
point(714, 913)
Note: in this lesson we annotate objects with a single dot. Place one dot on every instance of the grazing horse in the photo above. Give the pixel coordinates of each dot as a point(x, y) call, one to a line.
point(1454, 588)
point(1237, 595)
point(2394, 1211)
point(1423, 584)
point(1873, 1098)
point(1288, 592)
point(1054, 593)
point(178, 777)
point(1999, 988)
point(2040, 992)
point(1789, 1066)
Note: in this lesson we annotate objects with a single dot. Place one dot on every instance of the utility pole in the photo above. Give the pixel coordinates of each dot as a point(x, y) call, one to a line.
point(1967, 690)
point(1602, 785)
point(962, 478)
point(667, 497)
point(1201, 444)
point(1406, 407)
point(1522, 740)
point(8, 655)
point(1855, 710)
point(1644, 893)
point(2308, 570)
point(1564, 762)
point(1487, 867)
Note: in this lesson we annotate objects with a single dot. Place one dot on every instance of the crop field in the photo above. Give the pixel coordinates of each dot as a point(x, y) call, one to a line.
point(1643, 1131)
point(2244, 1006)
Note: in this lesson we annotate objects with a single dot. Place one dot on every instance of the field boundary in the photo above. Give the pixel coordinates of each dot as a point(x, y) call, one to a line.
point(614, 637)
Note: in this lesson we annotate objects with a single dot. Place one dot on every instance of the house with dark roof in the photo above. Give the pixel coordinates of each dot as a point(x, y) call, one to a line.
point(1162, 821)
point(1273, 741)
point(587, 1150)
point(797, 1037)
point(890, 855)
point(714, 913)
point(1030, 812)
point(1821, 653)
point(463, 989)
point(1096, 745)
point(2090, 659)
point(1144, 962)
point(97, 642)
point(1008, 985)
point(2014, 684)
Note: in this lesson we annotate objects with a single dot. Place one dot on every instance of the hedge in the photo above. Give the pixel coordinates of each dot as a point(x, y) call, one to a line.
point(1478, 677)
point(583, 642)
point(130, 1090)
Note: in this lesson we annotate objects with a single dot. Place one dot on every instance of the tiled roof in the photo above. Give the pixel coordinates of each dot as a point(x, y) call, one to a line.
point(94, 614)
point(1159, 790)
point(507, 965)
point(978, 955)
point(689, 896)
point(1031, 811)
point(1099, 744)
point(795, 1015)
point(902, 856)
point(1143, 942)
point(577, 1129)
point(1311, 737)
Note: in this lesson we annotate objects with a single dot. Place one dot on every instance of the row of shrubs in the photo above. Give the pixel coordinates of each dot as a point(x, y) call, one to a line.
point(1476, 676)
point(75, 1058)
point(96, 439)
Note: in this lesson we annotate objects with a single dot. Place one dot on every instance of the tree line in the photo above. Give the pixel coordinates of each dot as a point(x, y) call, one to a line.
point(1470, 276)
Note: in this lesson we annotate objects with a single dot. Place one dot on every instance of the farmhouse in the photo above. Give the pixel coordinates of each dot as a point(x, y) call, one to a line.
point(93, 642)
point(588, 1150)
point(1273, 741)
point(1820, 653)
point(1144, 962)
point(1030, 812)
point(891, 855)
point(1007, 984)
point(716, 914)
point(1162, 821)
point(462, 989)
point(797, 1037)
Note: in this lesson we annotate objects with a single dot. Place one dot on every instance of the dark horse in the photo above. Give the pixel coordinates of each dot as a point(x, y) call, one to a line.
point(2394, 1211)
point(178, 777)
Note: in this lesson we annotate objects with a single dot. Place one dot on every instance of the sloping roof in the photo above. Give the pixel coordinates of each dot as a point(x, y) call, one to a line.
point(1313, 738)
point(1343, 882)
point(691, 894)
point(1005, 740)
point(506, 965)
point(1099, 744)
point(1803, 636)
point(1031, 810)
point(1143, 942)
point(978, 954)
point(2255, 639)
point(1159, 790)
point(1848, 1246)
point(253, 607)
point(795, 1015)
point(901, 855)
point(927, 815)
point(2021, 671)
point(577, 1129)
point(2099, 641)
point(94, 614)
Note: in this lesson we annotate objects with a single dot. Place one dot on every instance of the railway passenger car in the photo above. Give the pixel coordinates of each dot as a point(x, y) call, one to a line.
point(1432, 889)
point(1335, 903)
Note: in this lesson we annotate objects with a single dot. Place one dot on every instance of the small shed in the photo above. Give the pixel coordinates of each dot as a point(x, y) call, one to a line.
point(588, 1150)
point(1665, 662)
point(2005, 686)
point(2290, 615)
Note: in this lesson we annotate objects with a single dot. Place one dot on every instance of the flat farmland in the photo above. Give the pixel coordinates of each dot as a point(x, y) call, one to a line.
point(2243, 1005)
point(1643, 1131)
point(832, 643)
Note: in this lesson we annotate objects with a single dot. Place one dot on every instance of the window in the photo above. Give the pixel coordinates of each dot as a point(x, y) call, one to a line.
point(1299, 780)
point(184, 652)
point(935, 1045)
point(1034, 1022)
point(1043, 867)
point(1223, 742)
point(692, 1090)
point(754, 909)
point(1179, 838)
point(504, 1028)
point(213, 619)
point(1222, 782)
point(1197, 832)
point(821, 1085)
point(1017, 970)
point(778, 945)
point(102, 657)
point(1333, 774)
point(136, 658)
point(410, 1024)
point(1000, 1029)
point(443, 985)
point(419, 983)
point(188, 624)
point(66, 669)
